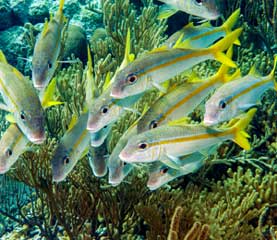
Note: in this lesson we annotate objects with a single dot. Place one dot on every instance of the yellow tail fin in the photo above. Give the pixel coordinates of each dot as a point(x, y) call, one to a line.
point(230, 23)
point(240, 136)
point(61, 6)
point(48, 95)
point(220, 46)
point(2, 57)
point(272, 73)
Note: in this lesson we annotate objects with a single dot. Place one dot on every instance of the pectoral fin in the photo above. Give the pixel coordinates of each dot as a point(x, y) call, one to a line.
point(171, 161)
point(166, 11)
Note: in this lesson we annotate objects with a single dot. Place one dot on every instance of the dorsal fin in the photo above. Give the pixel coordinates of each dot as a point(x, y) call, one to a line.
point(128, 57)
point(107, 81)
point(17, 73)
point(159, 49)
point(45, 28)
point(179, 122)
point(253, 71)
point(73, 121)
point(206, 24)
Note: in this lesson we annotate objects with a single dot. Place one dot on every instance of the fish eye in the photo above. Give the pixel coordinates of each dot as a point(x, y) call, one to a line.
point(199, 2)
point(65, 160)
point(104, 109)
point(124, 163)
point(164, 170)
point(105, 126)
point(22, 115)
point(142, 146)
point(49, 64)
point(132, 78)
point(153, 124)
point(222, 104)
point(9, 152)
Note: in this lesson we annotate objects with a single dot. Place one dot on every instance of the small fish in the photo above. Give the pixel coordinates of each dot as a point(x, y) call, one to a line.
point(202, 36)
point(206, 9)
point(22, 101)
point(156, 67)
point(72, 147)
point(237, 96)
point(98, 138)
point(168, 143)
point(182, 100)
point(97, 160)
point(105, 110)
point(12, 144)
point(118, 169)
point(47, 49)
point(161, 174)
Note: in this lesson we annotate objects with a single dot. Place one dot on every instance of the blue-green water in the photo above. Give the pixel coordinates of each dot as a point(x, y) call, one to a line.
point(163, 169)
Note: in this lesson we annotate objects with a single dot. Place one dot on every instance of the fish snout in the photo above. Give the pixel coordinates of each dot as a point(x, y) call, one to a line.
point(38, 138)
point(38, 80)
point(93, 126)
point(117, 93)
point(3, 169)
point(125, 156)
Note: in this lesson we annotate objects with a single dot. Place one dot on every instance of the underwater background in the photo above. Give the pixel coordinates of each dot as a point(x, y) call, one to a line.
point(233, 196)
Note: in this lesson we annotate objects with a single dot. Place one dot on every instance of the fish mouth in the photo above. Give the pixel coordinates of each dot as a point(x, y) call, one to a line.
point(37, 138)
point(124, 156)
point(58, 177)
point(115, 93)
point(3, 169)
point(208, 121)
point(39, 87)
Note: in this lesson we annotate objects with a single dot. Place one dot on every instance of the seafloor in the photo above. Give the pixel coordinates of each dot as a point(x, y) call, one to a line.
point(232, 197)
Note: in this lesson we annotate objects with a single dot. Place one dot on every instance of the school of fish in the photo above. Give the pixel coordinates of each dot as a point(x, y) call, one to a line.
point(161, 138)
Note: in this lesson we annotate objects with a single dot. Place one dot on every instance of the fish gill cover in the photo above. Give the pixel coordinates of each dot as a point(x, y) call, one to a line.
point(88, 48)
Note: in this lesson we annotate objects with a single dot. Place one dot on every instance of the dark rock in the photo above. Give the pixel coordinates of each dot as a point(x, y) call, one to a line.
point(76, 43)
point(5, 15)
point(38, 11)
point(13, 45)
point(19, 10)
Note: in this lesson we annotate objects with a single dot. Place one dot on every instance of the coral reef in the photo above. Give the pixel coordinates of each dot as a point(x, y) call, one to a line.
point(232, 197)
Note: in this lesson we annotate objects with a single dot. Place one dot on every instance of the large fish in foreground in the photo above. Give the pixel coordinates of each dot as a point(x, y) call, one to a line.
point(206, 9)
point(72, 147)
point(182, 100)
point(160, 65)
point(47, 49)
point(12, 144)
point(22, 101)
point(237, 96)
point(168, 143)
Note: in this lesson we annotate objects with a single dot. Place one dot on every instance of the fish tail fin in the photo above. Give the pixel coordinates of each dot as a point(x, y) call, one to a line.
point(47, 97)
point(272, 73)
point(222, 73)
point(3, 57)
point(240, 136)
point(220, 46)
point(61, 6)
point(89, 59)
point(230, 23)
point(166, 11)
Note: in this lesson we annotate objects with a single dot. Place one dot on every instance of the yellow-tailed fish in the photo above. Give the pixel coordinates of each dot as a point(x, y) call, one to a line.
point(98, 138)
point(105, 109)
point(160, 174)
point(12, 144)
point(156, 67)
point(237, 96)
point(47, 49)
point(182, 100)
point(97, 160)
point(206, 9)
point(203, 35)
point(22, 102)
point(72, 147)
point(168, 143)
point(118, 169)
